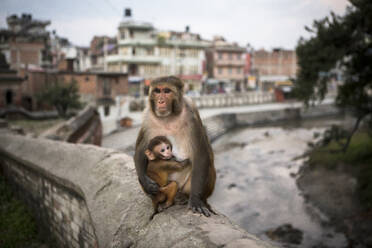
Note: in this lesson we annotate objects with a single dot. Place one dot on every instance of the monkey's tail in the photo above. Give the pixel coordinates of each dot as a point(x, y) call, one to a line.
point(152, 216)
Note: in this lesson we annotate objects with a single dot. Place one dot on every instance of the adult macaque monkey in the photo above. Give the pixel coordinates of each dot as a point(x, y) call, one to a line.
point(170, 114)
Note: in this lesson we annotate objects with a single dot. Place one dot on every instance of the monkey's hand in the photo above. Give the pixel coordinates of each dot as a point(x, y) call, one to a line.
point(185, 162)
point(198, 206)
point(149, 186)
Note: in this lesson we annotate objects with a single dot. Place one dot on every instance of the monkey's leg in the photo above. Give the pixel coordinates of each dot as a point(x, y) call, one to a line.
point(170, 190)
point(156, 200)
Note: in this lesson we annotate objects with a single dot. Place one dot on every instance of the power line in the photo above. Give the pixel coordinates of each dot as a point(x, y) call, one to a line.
point(112, 7)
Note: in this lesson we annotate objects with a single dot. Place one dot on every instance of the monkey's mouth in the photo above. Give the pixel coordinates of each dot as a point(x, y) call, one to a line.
point(164, 112)
point(162, 108)
point(162, 105)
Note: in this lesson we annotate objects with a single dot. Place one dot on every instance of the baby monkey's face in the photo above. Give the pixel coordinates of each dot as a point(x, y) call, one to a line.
point(164, 151)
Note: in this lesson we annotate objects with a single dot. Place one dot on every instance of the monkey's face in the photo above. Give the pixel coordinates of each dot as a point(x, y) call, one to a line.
point(163, 151)
point(164, 99)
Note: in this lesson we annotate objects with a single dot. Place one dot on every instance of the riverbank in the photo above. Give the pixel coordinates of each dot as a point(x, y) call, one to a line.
point(340, 185)
point(256, 170)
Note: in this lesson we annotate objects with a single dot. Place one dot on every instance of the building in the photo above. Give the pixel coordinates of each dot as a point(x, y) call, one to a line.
point(225, 66)
point(100, 87)
point(146, 53)
point(100, 48)
point(83, 59)
point(10, 85)
point(25, 42)
point(275, 68)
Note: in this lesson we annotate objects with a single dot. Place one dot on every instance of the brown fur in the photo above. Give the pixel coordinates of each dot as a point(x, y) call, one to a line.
point(188, 135)
point(158, 170)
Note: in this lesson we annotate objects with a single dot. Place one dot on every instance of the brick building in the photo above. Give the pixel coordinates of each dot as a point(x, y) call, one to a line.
point(275, 67)
point(99, 87)
point(25, 42)
point(10, 85)
point(100, 47)
point(226, 63)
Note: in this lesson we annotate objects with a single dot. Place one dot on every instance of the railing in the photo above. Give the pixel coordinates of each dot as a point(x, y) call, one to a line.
point(218, 100)
point(236, 99)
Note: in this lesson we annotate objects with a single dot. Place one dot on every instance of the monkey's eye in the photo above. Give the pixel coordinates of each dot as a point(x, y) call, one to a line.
point(157, 90)
point(167, 147)
point(162, 150)
point(167, 90)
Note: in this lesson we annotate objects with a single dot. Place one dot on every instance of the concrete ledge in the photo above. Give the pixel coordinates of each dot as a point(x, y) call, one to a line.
point(218, 125)
point(84, 128)
point(117, 208)
point(16, 111)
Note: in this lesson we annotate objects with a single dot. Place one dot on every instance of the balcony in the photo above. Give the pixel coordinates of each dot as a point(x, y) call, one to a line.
point(133, 59)
point(172, 43)
point(227, 62)
point(137, 42)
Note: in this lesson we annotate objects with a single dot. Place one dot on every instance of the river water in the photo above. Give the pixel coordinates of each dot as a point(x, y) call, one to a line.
point(256, 181)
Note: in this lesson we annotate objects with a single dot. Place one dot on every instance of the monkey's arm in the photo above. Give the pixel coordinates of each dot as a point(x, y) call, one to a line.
point(174, 165)
point(202, 180)
point(184, 162)
point(140, 161)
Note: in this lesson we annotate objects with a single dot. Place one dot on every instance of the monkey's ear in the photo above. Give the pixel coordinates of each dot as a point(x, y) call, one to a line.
point(150, 155)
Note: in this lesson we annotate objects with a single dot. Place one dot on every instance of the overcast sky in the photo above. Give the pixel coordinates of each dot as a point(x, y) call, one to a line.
point(262, 23)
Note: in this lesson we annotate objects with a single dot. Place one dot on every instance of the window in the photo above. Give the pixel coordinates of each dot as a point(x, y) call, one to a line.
point(230, 56)
point(106, 87)
point(220, 55)
point(107, 110)
point(219, 70)
point(150, 51)
point(230, 70)
point(238, 70)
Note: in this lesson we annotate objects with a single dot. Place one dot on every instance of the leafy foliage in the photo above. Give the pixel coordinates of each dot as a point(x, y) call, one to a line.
point(62, 96)
point(17, 226)
point(344, 43)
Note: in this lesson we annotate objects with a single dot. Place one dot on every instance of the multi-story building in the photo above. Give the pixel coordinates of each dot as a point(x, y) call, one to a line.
point(10, 85)
point(100, 48)
point(146, 53)
point(225, 64)
point(275, 68)
point(25, 42)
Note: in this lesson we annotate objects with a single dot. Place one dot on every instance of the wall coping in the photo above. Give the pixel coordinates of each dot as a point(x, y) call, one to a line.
point(118, 208)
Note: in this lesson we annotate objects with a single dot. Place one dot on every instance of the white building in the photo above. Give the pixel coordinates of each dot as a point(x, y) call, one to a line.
point(146, 53)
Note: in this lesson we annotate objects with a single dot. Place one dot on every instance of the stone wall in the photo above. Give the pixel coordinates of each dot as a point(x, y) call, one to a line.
point(220, 124)
point(87, 196)
point(19, 113)
point(84, 128)
point(61, 212)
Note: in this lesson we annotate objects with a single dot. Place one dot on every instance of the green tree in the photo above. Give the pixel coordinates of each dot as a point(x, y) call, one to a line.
point(62, 96)
point(343, 42)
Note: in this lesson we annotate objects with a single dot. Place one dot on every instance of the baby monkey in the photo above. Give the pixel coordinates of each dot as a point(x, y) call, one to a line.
point(161, 162)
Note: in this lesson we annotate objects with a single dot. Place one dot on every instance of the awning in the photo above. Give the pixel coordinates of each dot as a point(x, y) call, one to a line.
point(135, 79)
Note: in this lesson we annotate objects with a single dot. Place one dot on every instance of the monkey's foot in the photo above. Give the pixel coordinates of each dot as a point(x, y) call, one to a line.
point(198, 206)
point(181, 199)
